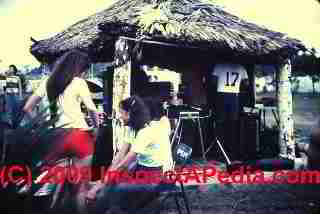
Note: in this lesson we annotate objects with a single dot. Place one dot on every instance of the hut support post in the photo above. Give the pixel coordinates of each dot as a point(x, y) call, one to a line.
point(122, 74)
point(284, 96)
point(121, 86)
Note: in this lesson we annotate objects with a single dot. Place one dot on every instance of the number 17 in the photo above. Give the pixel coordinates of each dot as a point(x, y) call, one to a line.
point(235, 76)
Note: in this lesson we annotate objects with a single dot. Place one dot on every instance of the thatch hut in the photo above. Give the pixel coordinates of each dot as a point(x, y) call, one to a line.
point(183, 35)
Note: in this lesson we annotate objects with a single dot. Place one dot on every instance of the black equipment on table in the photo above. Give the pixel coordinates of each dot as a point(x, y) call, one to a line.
point(173, 111)
point(185, 112)
point(195, 113)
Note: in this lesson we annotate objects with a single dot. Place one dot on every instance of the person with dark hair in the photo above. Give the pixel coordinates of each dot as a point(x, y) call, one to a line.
point(158, 121)
point(148, 149)
point(140, 116)
point(15, 72)
point(14, 91)
point(156, 108)
point(135, 113)
point(65, 89)
point(151, 126)
point(161, 123)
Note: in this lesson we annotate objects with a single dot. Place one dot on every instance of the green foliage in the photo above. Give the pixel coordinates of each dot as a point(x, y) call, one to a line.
point(29, 142)
point(295, 84)
point(306, 65)
point(315, 78)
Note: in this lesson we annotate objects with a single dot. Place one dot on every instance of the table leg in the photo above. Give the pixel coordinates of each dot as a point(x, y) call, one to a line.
point(201, 139)
point(276, 117)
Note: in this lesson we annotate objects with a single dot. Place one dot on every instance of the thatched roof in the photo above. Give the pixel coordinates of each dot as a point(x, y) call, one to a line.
point(182, 22)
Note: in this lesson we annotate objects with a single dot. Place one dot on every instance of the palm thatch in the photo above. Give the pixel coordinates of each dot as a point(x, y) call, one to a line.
point(182, 22)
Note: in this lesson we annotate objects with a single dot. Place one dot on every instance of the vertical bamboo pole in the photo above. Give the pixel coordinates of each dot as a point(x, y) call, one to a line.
point(284, 96)
point(121, 88)
point(122, 74)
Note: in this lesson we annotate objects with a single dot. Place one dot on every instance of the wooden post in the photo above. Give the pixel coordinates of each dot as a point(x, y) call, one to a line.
point(284, 96)
point(122, 74)
point(121, 88)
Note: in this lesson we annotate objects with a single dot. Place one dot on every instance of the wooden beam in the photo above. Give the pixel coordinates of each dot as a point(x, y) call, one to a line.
point(285, 111)
point(148, 40)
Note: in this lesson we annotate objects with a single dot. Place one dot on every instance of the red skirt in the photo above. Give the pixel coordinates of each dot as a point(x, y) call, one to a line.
point(75, 143)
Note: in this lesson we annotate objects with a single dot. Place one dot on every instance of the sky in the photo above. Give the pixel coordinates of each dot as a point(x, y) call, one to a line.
point(41, 19)
point(298, 18)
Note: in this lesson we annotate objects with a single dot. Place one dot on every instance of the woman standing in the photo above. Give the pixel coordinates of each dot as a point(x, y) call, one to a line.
point(65, 89)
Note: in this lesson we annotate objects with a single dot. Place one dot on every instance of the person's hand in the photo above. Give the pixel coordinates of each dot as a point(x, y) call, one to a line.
point(89, 121)
point(92, 193)
point(101, 117)
point(110, 178)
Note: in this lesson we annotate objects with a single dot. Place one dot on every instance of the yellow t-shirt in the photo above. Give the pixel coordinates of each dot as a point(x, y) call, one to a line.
point(152, 144)
point(69, 103)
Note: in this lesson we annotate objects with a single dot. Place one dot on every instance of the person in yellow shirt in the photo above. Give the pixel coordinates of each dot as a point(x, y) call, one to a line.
point(65, 89)
point(150, 149)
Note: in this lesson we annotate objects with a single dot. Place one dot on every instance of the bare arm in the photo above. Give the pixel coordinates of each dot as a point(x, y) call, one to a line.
point(124, 163)
point(88, 102)
point(121, 154)
point(30, 104)
point(35, 98)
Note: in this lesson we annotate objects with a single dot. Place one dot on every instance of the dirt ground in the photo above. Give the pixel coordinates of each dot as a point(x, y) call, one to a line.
point(262, 199)
point(267, 198)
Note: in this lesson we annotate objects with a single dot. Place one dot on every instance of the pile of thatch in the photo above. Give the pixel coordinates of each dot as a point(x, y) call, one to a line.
point(181, 22)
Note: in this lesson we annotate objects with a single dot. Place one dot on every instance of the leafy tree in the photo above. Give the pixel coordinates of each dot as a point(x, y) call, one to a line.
point(295, 84)
point(306, 64)
point(315, 78)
